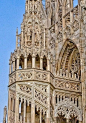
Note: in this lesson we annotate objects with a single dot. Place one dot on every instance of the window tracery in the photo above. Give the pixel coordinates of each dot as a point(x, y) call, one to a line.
point(70, 59)
point(21, 62)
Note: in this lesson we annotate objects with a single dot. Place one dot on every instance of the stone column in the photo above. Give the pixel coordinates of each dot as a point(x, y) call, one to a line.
point(44, 38)
point(17, 110)
point(13, 65)
point(10, 67)
point(17, 63)
point(48, 64)
point(25, 39)
point(33, 61)
point(16, 38)
point(48, 104)
point(9, 109)
point(24, 110)
point(51, 67)
point(41, 62)
point(25, 63)
point(40, 116)
point(5, 114)
point(53, 100)
point(67, 120)
point(80, 101)
point(14, 105)
point(33, 111)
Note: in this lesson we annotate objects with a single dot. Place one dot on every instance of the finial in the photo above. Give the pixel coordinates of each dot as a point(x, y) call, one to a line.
point(5, 114)
point(17, 31)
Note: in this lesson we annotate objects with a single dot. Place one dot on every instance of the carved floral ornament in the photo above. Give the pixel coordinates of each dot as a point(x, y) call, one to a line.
point(68, 110)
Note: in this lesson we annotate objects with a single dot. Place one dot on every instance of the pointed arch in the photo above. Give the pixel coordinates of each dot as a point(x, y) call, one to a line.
point(21, 62)
point(67, 109)
point(69, 59)
point(37, 61)
point(44, 63)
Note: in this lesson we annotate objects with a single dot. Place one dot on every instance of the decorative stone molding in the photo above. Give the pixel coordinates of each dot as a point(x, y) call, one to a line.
point(40, 96)
point(24, 75)
point(67, 85)
point(26, 89)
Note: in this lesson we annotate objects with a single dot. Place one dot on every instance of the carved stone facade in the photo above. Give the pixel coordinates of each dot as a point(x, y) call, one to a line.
point(47, 70)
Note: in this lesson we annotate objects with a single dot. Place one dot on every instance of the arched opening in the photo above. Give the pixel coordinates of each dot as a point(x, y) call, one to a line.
point(61, 119)
point(29, 61)
point(67, 112)
point(37, 61)
point(37, 116)
point(44, 63)
point(21, 62)
point(69, 60)
point(22, 110)
point(75, 3)
point(28, 113)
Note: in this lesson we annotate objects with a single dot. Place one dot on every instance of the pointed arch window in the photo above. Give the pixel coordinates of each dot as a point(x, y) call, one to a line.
point(21, 62)
point(44, 63)
point(37, 61)
point(69, 62)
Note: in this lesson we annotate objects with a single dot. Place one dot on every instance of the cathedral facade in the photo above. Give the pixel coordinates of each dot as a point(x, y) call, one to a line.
point(47, 70)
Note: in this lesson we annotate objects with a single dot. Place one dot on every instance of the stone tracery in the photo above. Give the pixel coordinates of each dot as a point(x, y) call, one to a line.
point(70, 59)
point(68, 110)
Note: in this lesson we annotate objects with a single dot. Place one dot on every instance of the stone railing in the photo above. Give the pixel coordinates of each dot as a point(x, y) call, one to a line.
point(67, 75)
point(67, 85)
point(29, 74)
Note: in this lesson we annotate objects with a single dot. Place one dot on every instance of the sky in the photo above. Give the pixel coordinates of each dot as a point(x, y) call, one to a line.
point(11, 16)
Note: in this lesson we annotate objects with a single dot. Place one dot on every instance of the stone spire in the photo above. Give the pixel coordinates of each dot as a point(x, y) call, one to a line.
point(33, 25)
point(5, 113)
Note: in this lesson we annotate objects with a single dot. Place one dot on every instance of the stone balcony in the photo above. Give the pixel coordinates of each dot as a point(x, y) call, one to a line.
point(29, 75)
point(60, 81)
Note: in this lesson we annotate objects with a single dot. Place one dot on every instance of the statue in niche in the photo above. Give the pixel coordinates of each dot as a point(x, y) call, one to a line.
point(29, 38)
point(31, 6)
point(36, 40)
